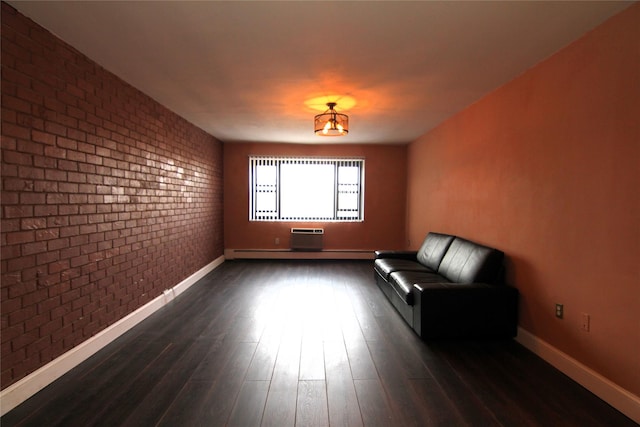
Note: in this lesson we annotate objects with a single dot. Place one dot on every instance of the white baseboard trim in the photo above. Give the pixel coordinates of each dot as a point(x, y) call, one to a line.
point(231, 254)
point(616, 396)
point(20, 391)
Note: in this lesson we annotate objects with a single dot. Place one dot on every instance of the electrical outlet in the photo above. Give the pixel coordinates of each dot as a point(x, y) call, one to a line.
point(559, 311)
point(277, 240)
point(586, 322)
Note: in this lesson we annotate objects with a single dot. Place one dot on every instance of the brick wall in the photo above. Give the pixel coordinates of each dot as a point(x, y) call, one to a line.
point(108, 198)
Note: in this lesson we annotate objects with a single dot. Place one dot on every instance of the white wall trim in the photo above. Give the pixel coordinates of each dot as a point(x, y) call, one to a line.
point(618, 397)
point(231, 254)
point(20, 391)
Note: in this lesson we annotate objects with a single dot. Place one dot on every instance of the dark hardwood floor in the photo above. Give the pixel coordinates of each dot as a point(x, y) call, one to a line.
point(305, 343)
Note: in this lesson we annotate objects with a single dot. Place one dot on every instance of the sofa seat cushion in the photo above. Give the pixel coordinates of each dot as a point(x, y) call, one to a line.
point(386, 266)
point(468, 262)
point(402, 282)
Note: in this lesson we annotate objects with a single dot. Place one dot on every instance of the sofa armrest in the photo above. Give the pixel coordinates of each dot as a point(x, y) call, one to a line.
point(474, 310)
point(410, 255)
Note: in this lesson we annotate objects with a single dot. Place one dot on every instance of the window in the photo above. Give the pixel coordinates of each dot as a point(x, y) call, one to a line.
point(306, 189)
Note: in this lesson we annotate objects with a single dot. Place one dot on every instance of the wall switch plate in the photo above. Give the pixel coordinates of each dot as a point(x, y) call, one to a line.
point(586, 322)
point(559, 311)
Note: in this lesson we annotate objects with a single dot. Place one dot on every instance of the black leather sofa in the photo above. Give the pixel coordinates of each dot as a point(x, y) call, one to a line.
point(449, 288)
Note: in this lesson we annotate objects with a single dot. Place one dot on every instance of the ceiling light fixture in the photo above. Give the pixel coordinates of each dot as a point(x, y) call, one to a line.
point(331, 123)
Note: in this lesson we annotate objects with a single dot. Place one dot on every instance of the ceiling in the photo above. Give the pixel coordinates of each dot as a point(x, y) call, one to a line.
point(259, 71)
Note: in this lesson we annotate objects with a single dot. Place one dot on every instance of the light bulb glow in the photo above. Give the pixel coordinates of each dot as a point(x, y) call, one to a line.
point(331, 123)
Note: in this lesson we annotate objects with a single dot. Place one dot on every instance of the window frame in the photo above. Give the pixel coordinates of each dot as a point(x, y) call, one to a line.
point(256, 188)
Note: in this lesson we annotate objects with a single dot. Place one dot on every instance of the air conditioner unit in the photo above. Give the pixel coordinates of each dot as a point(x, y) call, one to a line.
point(306, 239)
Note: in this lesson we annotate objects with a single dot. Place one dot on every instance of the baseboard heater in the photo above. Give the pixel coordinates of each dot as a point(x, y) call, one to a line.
point(307, 239)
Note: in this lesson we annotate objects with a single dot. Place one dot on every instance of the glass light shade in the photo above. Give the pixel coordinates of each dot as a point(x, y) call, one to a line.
point(331, 123)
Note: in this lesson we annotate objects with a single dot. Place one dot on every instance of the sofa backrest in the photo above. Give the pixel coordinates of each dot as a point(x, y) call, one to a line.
point(433, 248)
point(469, 262)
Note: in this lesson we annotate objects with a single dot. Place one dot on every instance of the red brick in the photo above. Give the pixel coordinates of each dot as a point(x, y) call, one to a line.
point(28, 146)
point(16, 158)
point(71, 317)
point(78, 240)
point(81, 199)
point(89, 188)
point(42, 137)
point(77, 134)
point(66, 330)
point(58, 289)
point(77, 157)
point(36, 321)
point(58, 266)
point(70, 252)
point(48, 91)
point(29, 172)
point(77, 177)
point(31, 121)
point(57, 221)
point(87, 168)
point(21, 315)
point(21, 288)
point(89, 268)
point(33, 248)
point(49, 234)
point(57, 199)
point(55, 175)
point(11, 75)
point(10, 333)
point(70, 144)
point(55, 152)
point(53, 106)
point(79, 260)
point(21, 237)
point(6, 142)
point(9, 225)
point(73, 90)
point(67, 165)
point(55, 128)
point(76, 112)
point(67, 187)
point(27, 67)
point(68, 209)
point(29, 95)
point(46, 210)
point(75, 220)
point(69, 231)
point(67, 98)
point(48, 328)
point(34, 349)
point(16, 104)
point(93, 159)
point(33, 223)
point(18, 184)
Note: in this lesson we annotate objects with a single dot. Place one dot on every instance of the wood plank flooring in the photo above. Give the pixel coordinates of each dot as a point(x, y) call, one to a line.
point(304, 343)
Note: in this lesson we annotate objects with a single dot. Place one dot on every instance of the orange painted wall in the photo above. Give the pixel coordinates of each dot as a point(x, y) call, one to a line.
point(546, 168)
point(385, 194)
